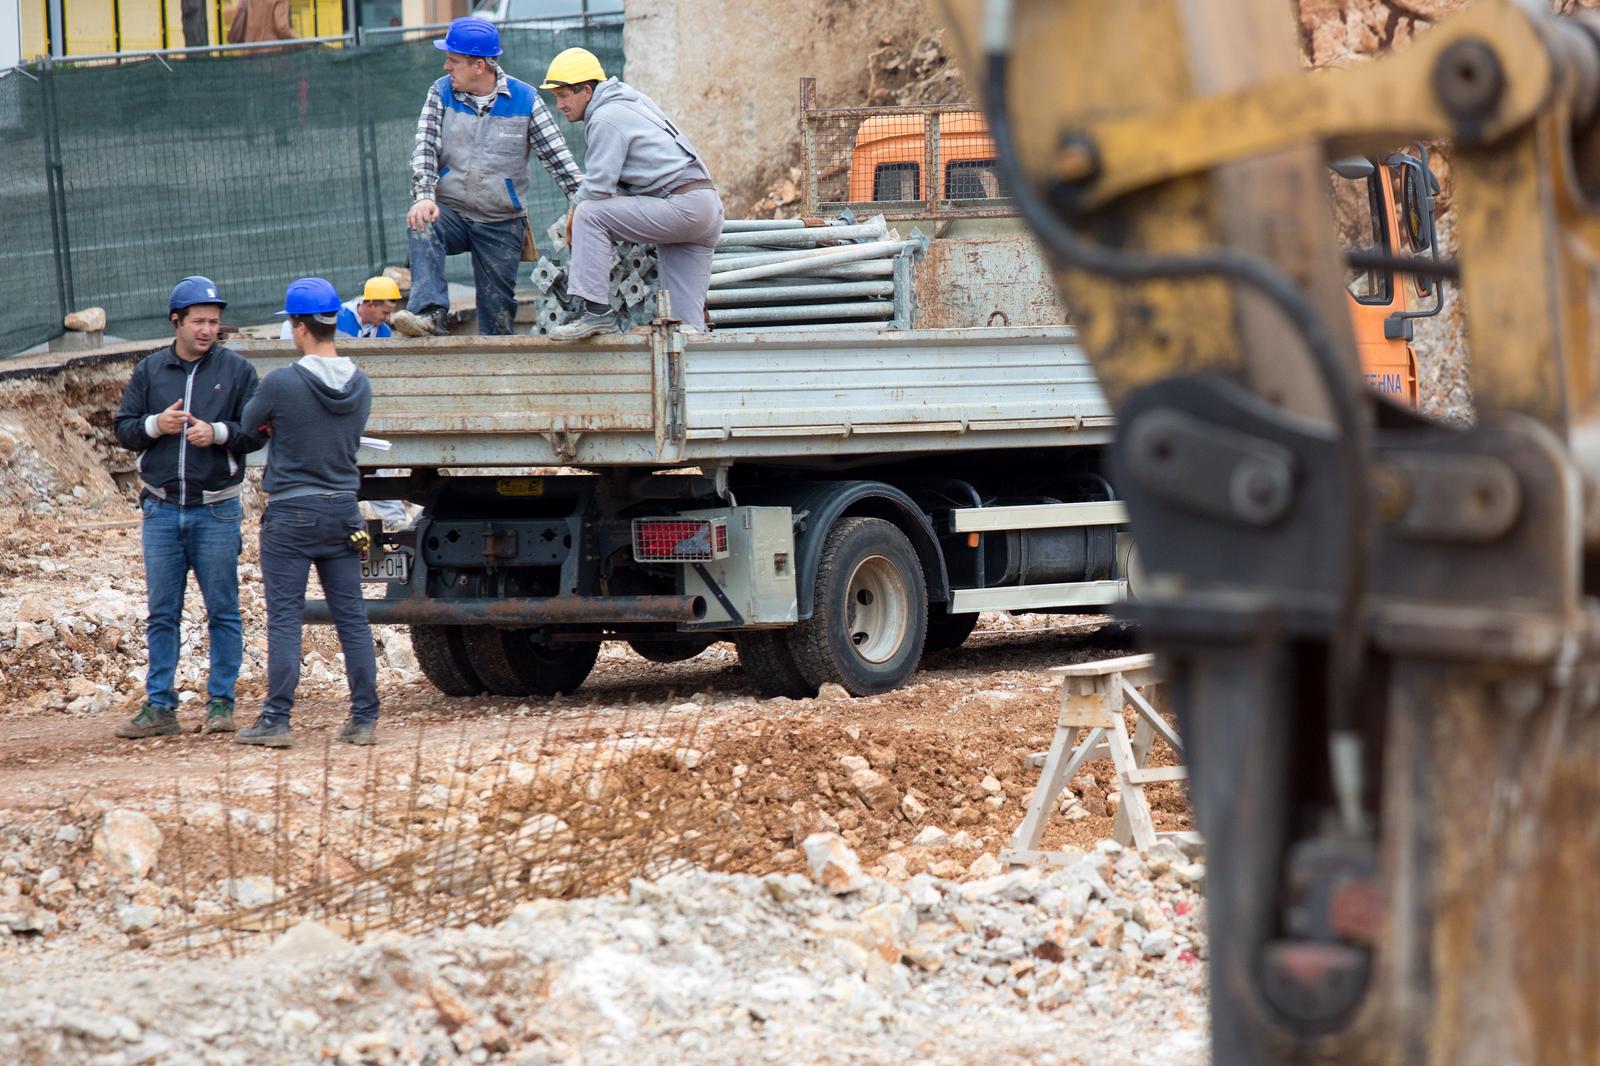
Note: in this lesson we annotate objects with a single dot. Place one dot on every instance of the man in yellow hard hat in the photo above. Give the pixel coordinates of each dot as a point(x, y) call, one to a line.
point(367, 316)
point(643, 181)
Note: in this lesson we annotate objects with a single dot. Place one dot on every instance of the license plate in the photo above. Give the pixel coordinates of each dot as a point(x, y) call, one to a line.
point(390, 566)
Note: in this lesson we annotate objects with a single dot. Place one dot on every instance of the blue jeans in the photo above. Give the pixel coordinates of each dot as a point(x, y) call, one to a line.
point(206, 540)
point(496, 249)
point(296, 535)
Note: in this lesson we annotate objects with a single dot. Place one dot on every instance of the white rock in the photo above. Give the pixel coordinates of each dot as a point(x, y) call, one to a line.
point(1156, 943)
point(688, 758)
point(930, 836)
point(137, 917)
point(831, 691)
point(984, 865)
point(832, 863)
point(306, 941)
point(874, 789)
point(128, 843)
point(299, 1022)
point(253, 890)
point(914, 809)
point(852, 763)
point(991, 784)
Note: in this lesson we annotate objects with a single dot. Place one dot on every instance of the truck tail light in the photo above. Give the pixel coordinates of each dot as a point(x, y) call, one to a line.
point(679, 540)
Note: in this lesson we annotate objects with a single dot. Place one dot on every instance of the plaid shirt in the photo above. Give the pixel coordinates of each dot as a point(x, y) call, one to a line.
point(544, 137)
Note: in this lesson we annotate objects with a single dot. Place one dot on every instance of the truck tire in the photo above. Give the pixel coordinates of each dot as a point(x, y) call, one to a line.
point(948, 631)
point(764, 654)
point(512, 663)
point(443, 658)
point(870, 611)
point(665, 650)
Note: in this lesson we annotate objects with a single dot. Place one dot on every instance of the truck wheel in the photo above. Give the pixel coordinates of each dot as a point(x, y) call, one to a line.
point(948, 631)
point(764, 654)
point(512, 663)
point(869, 612)
point(666, 650)
point(443, 658)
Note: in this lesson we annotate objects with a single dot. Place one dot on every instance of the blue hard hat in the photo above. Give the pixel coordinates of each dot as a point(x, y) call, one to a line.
point(310, 296)
point(194, 290)
point(471, 37)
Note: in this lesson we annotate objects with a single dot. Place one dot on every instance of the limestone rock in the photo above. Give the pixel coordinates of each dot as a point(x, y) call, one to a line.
point(137, 917)
point(832, 863)
point(33, 608)
point(254, 890)
point(89, 320)
point(306, 941)
point(1156, 943)
point(832, 691)
point(914, 809)
point(984, 865)
point(931, 836)
point(128, 843)
point(875, 790)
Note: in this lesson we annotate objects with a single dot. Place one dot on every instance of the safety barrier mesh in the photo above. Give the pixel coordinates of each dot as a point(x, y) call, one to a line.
point(120, 176)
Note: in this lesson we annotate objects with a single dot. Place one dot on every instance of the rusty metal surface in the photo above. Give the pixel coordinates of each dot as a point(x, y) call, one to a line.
point(998, 280)
point(513, 611)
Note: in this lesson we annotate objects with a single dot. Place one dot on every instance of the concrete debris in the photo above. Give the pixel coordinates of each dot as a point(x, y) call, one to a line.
point(832, 863)
point(89, 320)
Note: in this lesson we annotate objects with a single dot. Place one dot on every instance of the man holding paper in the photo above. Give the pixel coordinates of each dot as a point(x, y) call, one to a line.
point(314, 412)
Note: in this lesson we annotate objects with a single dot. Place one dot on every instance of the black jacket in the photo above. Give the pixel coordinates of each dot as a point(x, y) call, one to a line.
point(214, 389)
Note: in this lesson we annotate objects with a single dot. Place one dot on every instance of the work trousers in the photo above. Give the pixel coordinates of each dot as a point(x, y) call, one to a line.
point(297, 534)
point(176, 540)
point(684, 229)
point(496, 249)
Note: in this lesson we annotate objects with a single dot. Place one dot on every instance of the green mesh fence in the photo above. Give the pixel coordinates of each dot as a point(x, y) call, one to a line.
point(120, 177)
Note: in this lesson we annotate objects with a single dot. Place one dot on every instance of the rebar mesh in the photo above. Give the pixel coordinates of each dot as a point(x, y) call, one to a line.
point(120, 176)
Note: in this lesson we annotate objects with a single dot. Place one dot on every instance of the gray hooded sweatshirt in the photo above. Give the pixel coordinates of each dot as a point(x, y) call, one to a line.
point(317, 409)
point(633, 148)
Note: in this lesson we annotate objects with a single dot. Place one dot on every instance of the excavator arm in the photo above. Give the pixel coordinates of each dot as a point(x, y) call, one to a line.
point(1384, 648)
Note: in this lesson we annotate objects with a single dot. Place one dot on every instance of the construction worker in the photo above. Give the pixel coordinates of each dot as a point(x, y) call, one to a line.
point(314, 412)
point(642, 181)
point(365, 316)
point(469, 180)
point(181, 411)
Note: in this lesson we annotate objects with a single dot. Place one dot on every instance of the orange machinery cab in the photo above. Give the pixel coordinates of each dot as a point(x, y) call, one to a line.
point(1387, 207)
point(890, 155)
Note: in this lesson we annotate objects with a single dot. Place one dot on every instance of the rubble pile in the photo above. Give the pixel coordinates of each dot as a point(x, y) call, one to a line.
point(921, 73)
point(830, 965)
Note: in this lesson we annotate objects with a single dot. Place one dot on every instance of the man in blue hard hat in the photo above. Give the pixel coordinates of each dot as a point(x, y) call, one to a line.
point(314, 412)
point(180, 411)
point(469, 180)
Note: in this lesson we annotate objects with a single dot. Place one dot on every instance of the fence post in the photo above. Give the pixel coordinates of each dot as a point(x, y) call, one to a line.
point(933, 184)
point(808, 138)
point(55, 183)
point(365, 156)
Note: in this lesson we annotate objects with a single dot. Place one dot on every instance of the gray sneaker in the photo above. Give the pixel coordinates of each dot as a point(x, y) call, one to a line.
point(219, 717)
point(586, 326)
point(263, 735)
point(360, 733)
point(432, 323)
point(151, 721)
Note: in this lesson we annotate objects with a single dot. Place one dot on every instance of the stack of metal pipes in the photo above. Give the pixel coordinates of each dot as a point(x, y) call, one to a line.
point(772, 275)
point(778, 275)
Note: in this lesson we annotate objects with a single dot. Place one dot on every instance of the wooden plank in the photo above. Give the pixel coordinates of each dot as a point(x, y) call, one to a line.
point(1156, 720)
point(1153, 774)
point(1045, 792)
point(1140, 825)
point(1104, 667)
point(1084, 712)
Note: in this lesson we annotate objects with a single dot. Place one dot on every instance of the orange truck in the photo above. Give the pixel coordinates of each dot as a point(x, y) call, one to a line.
point(1380, 205)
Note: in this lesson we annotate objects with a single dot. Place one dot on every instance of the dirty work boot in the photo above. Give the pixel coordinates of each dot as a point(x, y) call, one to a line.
point(151, 721)
point(264, 735)
point(360, 733)
point(219, 717)
point(434, 322)
point(589, 324)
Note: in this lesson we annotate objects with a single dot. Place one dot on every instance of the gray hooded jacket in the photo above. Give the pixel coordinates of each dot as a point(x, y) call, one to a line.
point(317, 409)
point(633, 148)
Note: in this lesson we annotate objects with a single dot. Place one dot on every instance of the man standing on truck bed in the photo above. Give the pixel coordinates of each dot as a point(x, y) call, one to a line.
point(643, 181)
point(469, 180)
point(180, 411)
point(314, 411)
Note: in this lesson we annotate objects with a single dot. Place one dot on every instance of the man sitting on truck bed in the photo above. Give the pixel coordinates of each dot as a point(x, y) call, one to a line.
point(642, 181)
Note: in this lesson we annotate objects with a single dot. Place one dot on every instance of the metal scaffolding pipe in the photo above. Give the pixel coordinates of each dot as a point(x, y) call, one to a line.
point(799, 327)
point(801, 238)
point(721, 264)
point(813, 261)
point(746, 225)
point(771, 293)
point(877, 268)
point(801, 312)
point(521, 611)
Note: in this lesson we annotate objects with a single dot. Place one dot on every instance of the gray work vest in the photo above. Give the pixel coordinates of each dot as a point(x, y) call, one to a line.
point(483, 158)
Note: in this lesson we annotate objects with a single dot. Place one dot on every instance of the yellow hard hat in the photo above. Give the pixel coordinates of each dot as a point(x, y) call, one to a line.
point(572, 67)
point(380, 288)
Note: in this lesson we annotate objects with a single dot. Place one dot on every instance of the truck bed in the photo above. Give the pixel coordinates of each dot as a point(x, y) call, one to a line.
point(636, 400)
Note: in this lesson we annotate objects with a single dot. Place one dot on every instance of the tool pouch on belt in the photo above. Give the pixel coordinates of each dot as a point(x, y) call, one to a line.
point(530, 250)
point(361, 540)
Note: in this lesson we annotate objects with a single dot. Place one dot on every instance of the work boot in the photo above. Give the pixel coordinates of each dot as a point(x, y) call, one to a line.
point(263, 735)
point(431, 323)
point(359, 733)
point(586, 326)
point(219, 717)
point(151, 721)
